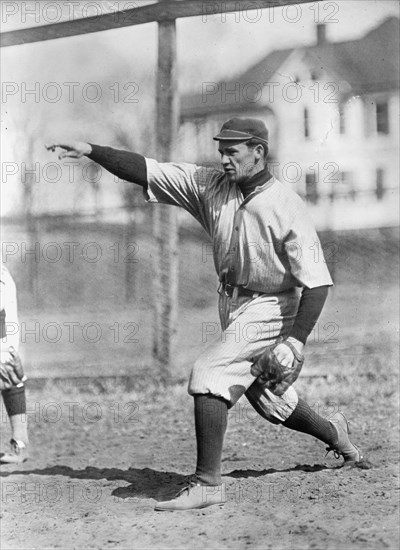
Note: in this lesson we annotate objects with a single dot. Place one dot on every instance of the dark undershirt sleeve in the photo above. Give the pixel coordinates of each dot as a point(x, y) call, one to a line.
point(123, 164)
point(311, 303)
point(3, 332)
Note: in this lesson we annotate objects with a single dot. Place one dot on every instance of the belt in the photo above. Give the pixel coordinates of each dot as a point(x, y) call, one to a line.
point(228, 289)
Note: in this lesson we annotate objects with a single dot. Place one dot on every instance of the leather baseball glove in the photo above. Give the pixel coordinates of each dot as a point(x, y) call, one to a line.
point(11, 371)
point(274, 376)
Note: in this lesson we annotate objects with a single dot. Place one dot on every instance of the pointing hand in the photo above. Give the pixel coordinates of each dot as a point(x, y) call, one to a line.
point(71, 149)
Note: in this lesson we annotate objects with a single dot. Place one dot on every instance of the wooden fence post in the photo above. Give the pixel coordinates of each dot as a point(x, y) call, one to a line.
point(165, 227)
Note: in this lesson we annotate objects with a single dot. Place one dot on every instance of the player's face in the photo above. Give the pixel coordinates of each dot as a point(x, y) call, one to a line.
point(238, 160)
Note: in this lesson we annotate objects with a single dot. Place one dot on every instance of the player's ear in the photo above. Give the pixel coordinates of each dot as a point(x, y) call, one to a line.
point(259, 152)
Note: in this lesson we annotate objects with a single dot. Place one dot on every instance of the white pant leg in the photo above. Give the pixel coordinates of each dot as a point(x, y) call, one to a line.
point(250, 325)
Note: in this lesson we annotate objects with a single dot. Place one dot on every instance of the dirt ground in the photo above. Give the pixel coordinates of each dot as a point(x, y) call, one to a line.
point(101, 457)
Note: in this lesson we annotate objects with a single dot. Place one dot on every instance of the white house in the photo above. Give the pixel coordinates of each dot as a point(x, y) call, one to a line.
point(332, 110)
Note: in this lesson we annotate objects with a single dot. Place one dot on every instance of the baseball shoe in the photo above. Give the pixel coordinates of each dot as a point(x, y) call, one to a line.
point(18, 453)
point(343, 446)
point(193, 497)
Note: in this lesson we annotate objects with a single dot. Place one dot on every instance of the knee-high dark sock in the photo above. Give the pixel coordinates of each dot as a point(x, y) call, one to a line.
point(304, 419)
point(211, 418)
point(14, 400)
point(15, 405)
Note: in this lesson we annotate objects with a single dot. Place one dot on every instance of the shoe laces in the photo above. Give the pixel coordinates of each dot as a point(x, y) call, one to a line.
point(188, 487)
point(336, 453)
point(17, 446)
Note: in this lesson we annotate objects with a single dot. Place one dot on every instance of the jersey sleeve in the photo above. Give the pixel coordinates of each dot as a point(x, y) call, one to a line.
point(177, 184)
point(304, 251)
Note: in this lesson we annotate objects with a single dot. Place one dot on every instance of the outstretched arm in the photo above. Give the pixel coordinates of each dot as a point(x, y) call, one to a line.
point(123, 164)
point(178, 184)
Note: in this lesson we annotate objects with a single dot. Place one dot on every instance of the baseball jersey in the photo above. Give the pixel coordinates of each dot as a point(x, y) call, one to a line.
point(265, 242)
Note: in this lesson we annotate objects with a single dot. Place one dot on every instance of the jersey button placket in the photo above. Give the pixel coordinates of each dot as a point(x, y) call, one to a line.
point(235, 244)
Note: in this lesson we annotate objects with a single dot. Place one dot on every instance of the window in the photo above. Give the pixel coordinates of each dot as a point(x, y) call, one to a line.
point(311, 188)
point(382, 117)
point(380, 183)
point(342, 120)
point(344, 178)
point(346, 187)
point(306, 121)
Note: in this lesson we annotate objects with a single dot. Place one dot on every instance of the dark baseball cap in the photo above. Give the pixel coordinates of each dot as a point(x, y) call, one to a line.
point(243, 129)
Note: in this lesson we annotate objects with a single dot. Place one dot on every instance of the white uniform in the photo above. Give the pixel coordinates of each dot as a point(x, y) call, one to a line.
point(265, 243)
point(8, 305)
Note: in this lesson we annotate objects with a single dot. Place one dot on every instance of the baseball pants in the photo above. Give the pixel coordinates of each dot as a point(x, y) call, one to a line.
point(248, 325)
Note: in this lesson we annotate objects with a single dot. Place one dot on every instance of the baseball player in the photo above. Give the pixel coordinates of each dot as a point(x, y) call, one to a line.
point(11, 372)
point(271, 293)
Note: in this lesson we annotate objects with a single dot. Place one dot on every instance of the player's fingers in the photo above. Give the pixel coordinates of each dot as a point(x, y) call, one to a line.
point(284, 355)
point(50, 146)
point(256, 369)
point(68, 154)
point(53, 146)
point(280, 389)
point(12, 375)
point(16, 367)
point(283, 350)
point(64, 146)
point(9, 368)
point(5, 378)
